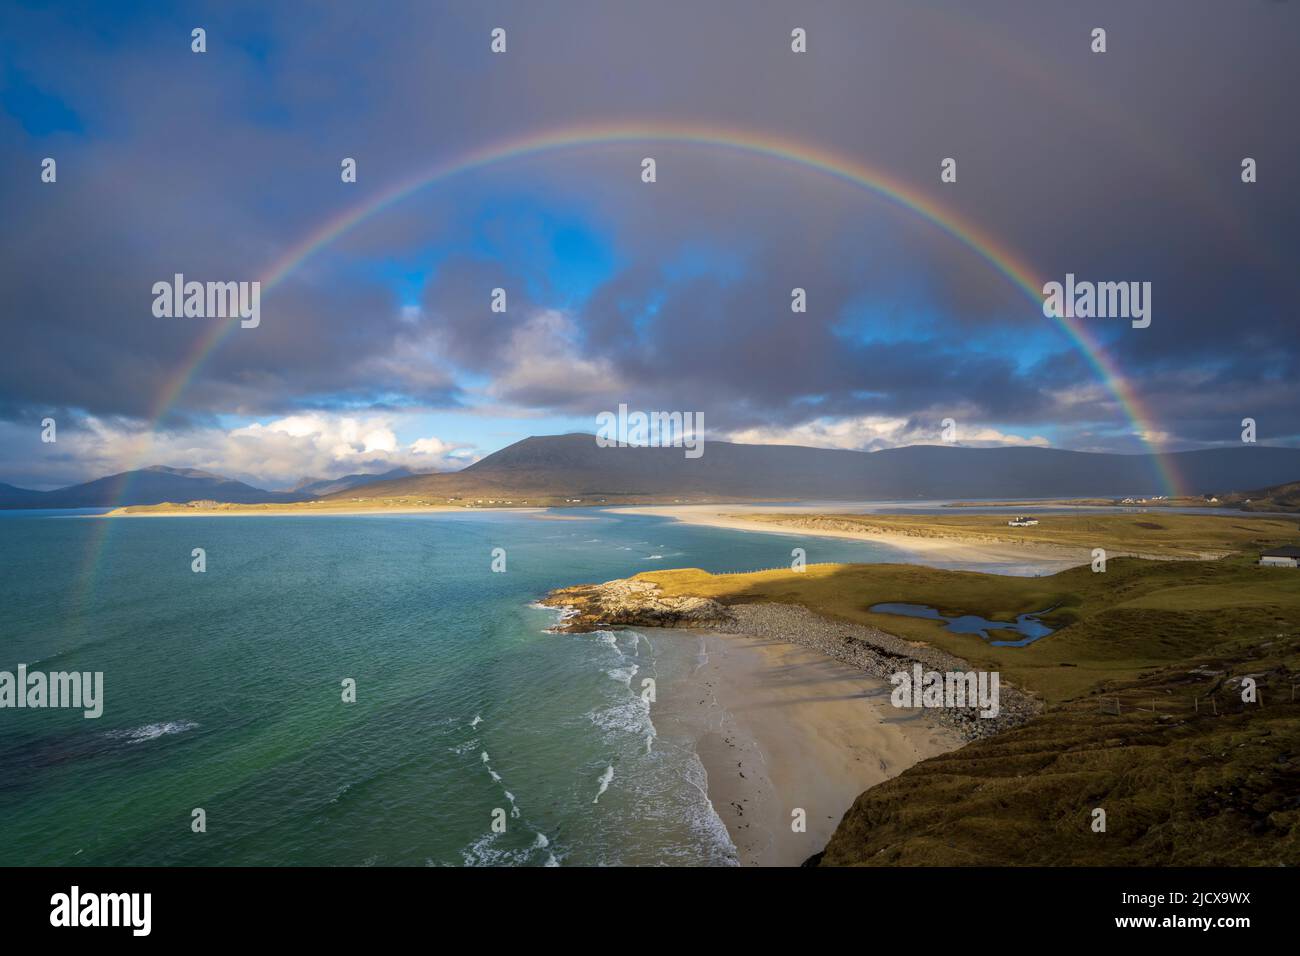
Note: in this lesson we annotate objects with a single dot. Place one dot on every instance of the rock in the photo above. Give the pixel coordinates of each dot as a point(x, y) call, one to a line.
point(632, 602)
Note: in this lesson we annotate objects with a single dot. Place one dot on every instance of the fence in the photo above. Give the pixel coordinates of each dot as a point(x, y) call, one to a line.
point(1202, 705)
point(779, 567)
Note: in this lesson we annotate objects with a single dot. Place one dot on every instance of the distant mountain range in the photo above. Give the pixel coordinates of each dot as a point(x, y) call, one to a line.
point(317, 487)
point(555, 468)
point(142, 487)
point(558, 469)
point(158, 483)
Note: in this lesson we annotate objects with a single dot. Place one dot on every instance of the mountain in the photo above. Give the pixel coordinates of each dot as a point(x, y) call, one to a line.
point(327, 486)
point(558, 467)
point(144, 486)
point(1278, 498)
point(14, 497)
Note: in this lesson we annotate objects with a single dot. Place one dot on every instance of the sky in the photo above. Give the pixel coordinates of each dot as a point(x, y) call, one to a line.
point(380, 347)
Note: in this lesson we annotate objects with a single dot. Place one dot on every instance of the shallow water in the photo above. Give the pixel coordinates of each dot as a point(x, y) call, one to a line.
point(223, 691)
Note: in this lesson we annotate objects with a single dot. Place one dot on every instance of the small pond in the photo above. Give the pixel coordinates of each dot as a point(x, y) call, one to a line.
point(1027, 625)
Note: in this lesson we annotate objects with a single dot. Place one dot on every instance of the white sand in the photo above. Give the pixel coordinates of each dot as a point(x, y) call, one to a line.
point(1044, 556)
point(781, 727)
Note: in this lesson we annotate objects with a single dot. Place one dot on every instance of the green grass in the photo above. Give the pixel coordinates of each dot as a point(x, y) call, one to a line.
point(1155, 534)
point(1136, 615)
point(1186, 772)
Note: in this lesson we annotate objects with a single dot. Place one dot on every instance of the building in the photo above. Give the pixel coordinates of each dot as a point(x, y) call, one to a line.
point(1286, 557)
point(1021, 521)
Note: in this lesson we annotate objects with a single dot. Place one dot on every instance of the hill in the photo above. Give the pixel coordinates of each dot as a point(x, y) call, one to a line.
point(144, 486)
point(1277, 498)
point(560, 468)
point(573, 469)
point(327, 486)
point(14, 497)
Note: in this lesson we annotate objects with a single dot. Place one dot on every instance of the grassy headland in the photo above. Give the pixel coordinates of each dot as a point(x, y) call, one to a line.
point(1115, 625)
point(1278, 498)
point(1159, 536)
point(1143, 684)
point(1186, 773)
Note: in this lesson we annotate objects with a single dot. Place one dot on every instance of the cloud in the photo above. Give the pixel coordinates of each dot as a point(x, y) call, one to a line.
point(541, 364)
point(272, 454)
point(874, 433)
point(678, 294)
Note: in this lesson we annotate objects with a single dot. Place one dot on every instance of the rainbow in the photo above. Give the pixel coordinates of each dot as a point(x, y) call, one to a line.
point(848, 171)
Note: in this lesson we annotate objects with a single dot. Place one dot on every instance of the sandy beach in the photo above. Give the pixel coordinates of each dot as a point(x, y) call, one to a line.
point(931, 549)
point(781, 727)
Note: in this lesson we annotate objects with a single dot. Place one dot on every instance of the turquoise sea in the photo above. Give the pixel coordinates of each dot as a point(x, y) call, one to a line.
point(223, 691)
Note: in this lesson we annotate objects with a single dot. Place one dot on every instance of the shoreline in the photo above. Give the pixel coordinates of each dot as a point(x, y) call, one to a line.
point(788, 709)
point(779, 728)
point(300, 512)
point(956, 549)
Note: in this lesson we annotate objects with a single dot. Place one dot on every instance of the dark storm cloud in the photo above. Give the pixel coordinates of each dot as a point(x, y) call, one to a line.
point(1116, 166)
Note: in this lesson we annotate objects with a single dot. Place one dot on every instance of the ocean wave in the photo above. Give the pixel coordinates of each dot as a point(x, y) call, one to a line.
point(487, 851)
point(484, 852)
point(704, 821)
point(562, 614)
point(631, 716)
point(605, 778)
point(623, 675)
point(139, 735)
point(496, 778)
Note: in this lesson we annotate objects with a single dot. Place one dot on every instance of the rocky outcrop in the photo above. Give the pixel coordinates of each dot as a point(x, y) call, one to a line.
point(632, 601)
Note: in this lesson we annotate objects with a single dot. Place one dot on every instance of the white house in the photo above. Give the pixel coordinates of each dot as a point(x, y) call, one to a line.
point(1286, 557)
point(1020, 521)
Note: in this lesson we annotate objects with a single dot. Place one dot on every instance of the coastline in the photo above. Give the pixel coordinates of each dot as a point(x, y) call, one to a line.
point(281, 512)
point(787, 709)
point(781, 727)
point(1045, 556)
